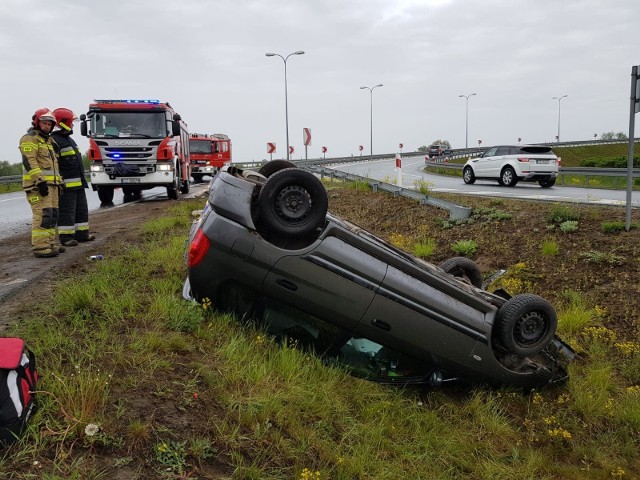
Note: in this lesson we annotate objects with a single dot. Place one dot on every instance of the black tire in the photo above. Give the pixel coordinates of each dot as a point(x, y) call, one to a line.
point(547, 182)
point(468, 176)
point(274, 166)
point(197, 178)
point(172, 190)
point(465, 268)
point(292, 202)
point(105, 194)
point(508, 177)
point(525, 324)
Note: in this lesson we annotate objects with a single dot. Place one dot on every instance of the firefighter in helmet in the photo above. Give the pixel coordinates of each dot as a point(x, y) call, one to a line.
point(41, 180)
point(73, 223)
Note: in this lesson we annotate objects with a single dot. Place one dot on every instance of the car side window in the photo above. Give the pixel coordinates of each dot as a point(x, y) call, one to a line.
point(515, 151)
point(503, 151)
point(490, 153)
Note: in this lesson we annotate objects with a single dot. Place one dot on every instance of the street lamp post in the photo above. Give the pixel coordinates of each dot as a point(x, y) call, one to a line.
point(371, 103)
point(466, 122)
point(286, 102)
point(559, 99)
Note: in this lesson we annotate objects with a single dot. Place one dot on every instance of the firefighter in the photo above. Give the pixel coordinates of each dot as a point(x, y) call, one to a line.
point(73, 223)
point(41, 180)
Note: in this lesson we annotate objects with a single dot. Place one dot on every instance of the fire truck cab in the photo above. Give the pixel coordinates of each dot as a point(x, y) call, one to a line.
point(136, 145)
point(209, 153)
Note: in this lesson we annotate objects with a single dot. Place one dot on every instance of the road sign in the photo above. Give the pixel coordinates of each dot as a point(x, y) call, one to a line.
point(400, 146)
point(360, 148)
point(324, 149)
point(271, 147)
point(290, 149)
point(306, 136)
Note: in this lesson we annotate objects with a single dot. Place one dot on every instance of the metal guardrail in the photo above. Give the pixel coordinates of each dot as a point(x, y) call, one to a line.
point(456, 212)
point(586, 171)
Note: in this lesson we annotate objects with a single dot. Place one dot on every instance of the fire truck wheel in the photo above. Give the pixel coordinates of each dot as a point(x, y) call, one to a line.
point(197, 178)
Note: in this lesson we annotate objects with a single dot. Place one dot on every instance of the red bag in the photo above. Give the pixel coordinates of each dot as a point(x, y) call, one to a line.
point(18, 378)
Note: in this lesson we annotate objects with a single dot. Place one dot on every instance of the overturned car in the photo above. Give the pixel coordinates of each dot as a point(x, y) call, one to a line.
point(266, 248)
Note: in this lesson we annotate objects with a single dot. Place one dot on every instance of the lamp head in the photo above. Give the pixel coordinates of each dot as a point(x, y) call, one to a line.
point(299, 52)
point(270, 54)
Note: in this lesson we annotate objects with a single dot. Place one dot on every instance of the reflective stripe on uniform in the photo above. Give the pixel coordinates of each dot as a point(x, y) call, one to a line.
point(28, 146)
point(67, 151)
point(82, 226)
point(66, 230)
point(43, 232)
point(73, 182)
point(53, 178)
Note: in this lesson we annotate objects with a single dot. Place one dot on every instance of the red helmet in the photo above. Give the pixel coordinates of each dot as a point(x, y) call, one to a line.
point(42, 114)
point(65, 118)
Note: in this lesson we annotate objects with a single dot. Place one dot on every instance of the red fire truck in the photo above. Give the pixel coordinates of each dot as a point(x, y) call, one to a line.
point(209, 153)
point(136, 145)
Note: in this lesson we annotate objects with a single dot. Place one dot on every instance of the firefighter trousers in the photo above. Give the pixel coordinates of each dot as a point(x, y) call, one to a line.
point(74, 216)
point(45, 219)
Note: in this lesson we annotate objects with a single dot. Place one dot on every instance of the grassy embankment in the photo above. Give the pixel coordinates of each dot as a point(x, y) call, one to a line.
point(176, 390)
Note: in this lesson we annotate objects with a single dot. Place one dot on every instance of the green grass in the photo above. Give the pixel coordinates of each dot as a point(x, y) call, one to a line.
point(178, 390)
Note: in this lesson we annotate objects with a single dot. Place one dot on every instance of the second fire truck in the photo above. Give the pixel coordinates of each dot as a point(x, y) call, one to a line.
point(136, 145)
point(209, 153)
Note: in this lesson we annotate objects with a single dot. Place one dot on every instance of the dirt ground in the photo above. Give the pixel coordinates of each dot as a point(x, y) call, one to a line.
point(24, 278)
point(603, 267)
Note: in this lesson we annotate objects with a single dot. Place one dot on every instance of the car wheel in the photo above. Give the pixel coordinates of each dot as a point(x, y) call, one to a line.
point(274, 166)
point(185, 187)
point(468, 176)
point(292, 202)
point(547, 182)
point(197, 178)
point(461, 267)
point(525, 324)
point(508, 177)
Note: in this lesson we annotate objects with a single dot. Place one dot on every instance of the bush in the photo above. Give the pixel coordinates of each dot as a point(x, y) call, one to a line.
point(569, 226)
point(465, 248)
point(562, 213)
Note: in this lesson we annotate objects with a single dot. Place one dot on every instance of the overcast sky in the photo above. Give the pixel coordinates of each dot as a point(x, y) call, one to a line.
point(207, 58)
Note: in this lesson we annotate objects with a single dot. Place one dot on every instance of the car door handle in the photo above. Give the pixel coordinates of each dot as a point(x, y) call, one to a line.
point(284, 283)
point(381, 325)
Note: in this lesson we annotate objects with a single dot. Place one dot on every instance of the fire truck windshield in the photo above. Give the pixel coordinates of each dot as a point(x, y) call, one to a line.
point(107, 124)
point(200, 146)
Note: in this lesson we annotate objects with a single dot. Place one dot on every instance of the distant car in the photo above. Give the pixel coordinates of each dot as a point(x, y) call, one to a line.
point(438, 150)
point(510, 164)
point(266, 248)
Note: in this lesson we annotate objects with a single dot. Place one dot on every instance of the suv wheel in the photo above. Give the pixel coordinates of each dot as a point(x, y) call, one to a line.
point(468, 176)
point(508, 177)
point(525, 324)
point(462, 267)
point(547, 182)
point(292, 202)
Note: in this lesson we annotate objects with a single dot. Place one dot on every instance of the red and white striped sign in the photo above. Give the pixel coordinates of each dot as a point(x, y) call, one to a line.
point(306, 136)
point(360, 148)
point(290, 149)
point(324, 149)
point(271, 147)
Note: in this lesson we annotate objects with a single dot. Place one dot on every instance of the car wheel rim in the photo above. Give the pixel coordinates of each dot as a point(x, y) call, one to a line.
point(530, 328)
point(506, 177)
point(293, 203)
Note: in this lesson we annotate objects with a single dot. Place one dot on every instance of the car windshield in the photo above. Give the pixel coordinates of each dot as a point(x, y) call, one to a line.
point(107, 124)
point(539, 149)
point(200, 146)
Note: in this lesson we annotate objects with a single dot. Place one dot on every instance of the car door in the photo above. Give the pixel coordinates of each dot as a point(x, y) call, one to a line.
point(495, 163)
point(335, 281)
point(480, 165)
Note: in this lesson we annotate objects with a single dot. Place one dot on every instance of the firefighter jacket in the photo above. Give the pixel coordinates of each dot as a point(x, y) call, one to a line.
point(39, 161)
point(70, 159)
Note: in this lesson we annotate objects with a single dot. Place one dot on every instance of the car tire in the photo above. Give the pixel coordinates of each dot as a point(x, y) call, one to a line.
point(525, 324)
point(185, 186)
point(547, 182)
point(292, 202)
point(508, 177)
point(274, 166)
point(468, 176)
point(465, 268)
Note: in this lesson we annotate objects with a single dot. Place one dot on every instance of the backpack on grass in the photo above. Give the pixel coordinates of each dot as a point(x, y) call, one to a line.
point(18, 379)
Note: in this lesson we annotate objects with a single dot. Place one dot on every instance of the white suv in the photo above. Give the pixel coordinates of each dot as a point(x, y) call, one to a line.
point(509, 164)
